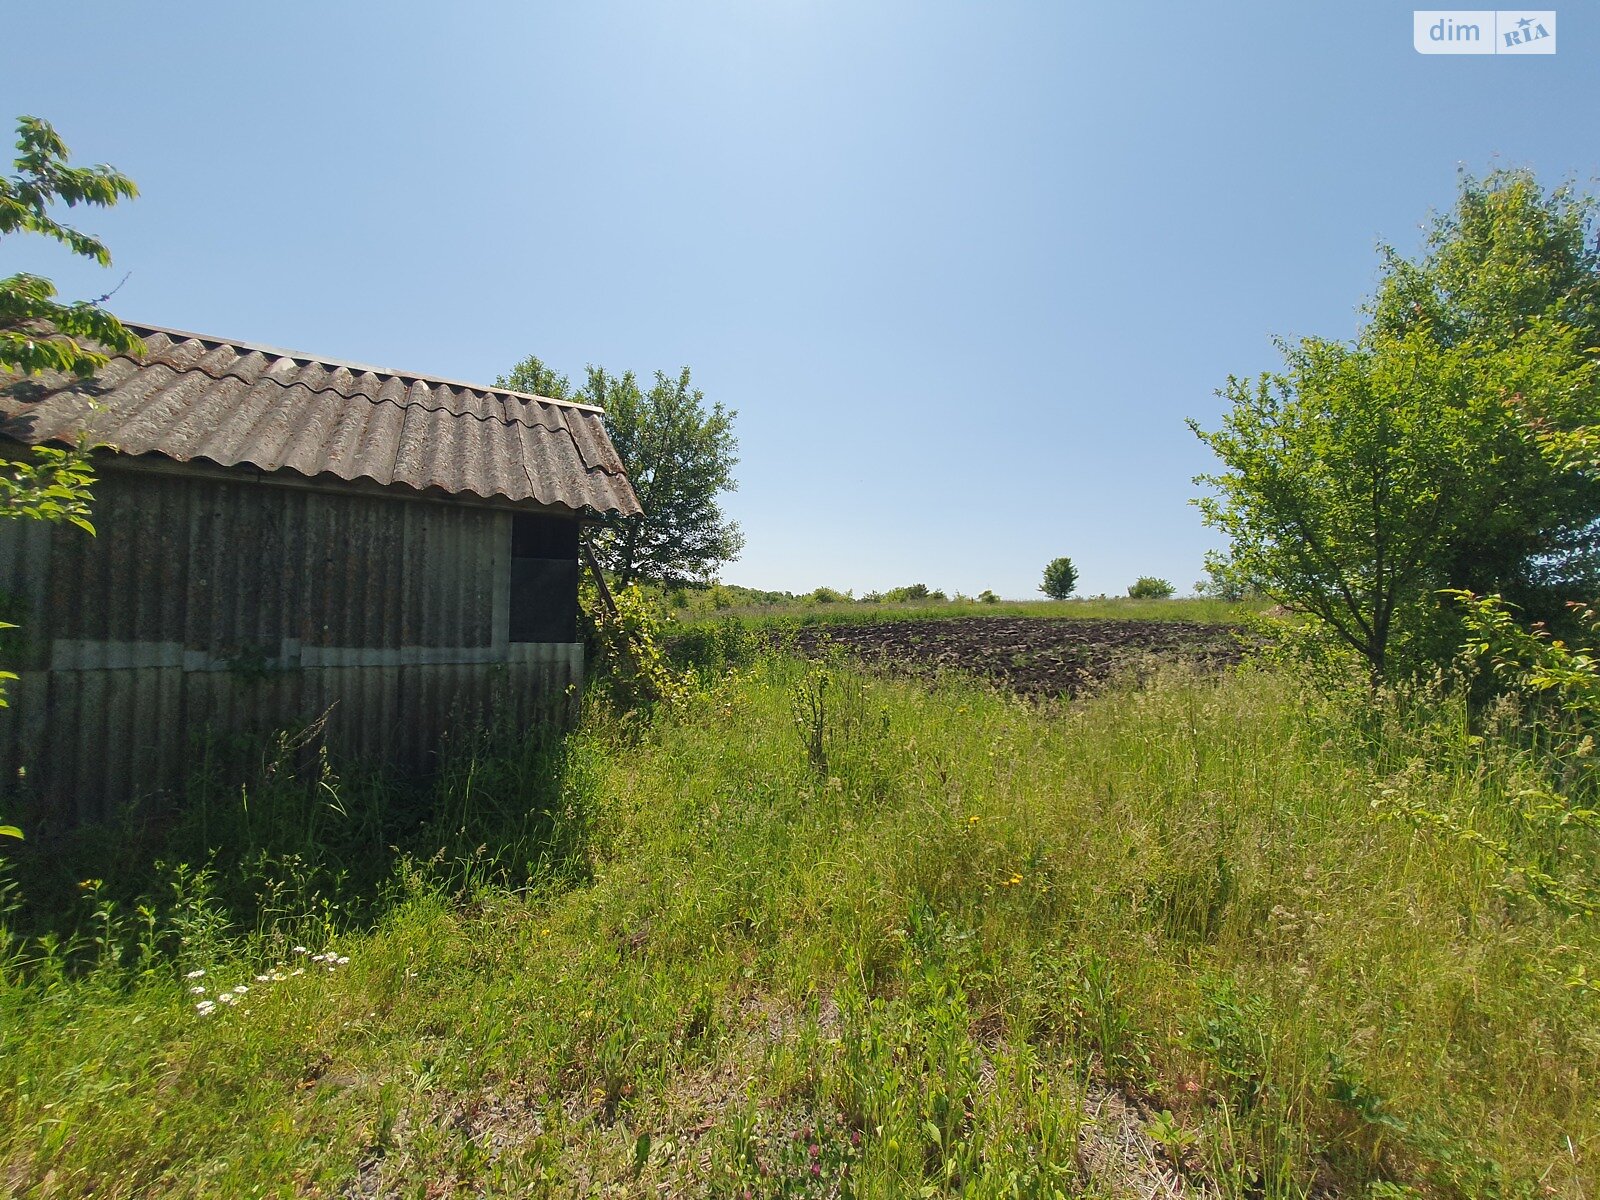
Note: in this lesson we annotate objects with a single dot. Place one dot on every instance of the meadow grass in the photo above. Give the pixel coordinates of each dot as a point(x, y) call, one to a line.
point(1116, 608)
point(822, 934)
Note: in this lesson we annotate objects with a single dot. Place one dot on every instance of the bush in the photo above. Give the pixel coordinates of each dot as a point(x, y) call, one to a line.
point(988, 597)
point(912, 591)
point(827, 595)
point(629, 661)
point(1060, 579)
point(1148, 587)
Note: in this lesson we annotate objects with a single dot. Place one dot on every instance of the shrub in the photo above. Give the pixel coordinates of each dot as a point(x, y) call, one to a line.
point(1060, 579)
point(1148, 587)
point(629, 660)
point(988, 597)
point(912, 591)
point(827, 595)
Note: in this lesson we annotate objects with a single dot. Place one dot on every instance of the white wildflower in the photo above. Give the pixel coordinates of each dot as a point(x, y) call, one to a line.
point(205, 1007)
point(228, 998)
point(298, 971)
point(240, 990)
point(342, 959)
point(195, 975)
point(197, 991)
point(301, 950)
point(263, 978)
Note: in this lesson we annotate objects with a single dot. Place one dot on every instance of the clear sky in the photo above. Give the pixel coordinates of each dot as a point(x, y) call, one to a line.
point(962, 269)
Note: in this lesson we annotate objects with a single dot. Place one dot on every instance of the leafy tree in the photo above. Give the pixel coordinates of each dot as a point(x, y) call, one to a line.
point(534, 377)
point(911, 591)
point(39, 333)
point(1221, 581)
point(1510, 286)
point(680, 457)
point(1148, 587)
point(1060, 579)
point(1362, 477)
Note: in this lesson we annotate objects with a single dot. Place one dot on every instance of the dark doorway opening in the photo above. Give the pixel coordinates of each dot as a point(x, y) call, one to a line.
point(544, 578)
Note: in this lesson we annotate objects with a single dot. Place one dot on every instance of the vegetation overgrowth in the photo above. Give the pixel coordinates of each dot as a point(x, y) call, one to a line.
point(805, 932)
point(801, 612)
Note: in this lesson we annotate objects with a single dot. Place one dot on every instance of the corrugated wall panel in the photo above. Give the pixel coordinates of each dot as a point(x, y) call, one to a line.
point(25, 597)
point(214, 605)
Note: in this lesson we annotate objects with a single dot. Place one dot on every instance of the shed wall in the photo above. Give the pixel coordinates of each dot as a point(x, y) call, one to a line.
point(208, 606)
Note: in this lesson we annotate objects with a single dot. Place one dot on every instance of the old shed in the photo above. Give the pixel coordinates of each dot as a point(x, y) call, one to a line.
point(278, 537)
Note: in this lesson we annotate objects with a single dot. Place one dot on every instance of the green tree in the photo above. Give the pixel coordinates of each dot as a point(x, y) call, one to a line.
point(536, 378)
point(1509, 286)
point(680, 457)
point(1362, 477)
point(1060, 579)
point(1148, 587)
point(39, 333)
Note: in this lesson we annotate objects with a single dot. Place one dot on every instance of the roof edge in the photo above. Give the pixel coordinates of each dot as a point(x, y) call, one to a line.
point(154, 462)
point(283, 352)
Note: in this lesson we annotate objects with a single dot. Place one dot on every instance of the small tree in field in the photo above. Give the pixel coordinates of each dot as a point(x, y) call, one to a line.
point(1060, 579)
point(1148, 587)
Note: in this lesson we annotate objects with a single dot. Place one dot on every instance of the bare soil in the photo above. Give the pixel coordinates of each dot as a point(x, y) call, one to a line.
point(1033, 656)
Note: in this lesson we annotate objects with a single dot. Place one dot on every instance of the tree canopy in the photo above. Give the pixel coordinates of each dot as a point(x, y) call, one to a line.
point(1363, 477)
point(680, 457)
point(1151, 587)
point(37, 331)
point(1060, 579)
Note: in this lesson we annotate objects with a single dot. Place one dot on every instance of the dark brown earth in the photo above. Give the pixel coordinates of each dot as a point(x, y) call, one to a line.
point(1033, 656)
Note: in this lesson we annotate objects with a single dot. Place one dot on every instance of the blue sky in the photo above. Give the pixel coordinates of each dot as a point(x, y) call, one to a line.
point(962, 269)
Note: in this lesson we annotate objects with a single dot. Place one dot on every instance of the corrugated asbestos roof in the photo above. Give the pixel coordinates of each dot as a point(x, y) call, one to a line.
point(233, 403)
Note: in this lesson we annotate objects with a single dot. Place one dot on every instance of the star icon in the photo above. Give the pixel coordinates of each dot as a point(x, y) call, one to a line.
point(1524, 23)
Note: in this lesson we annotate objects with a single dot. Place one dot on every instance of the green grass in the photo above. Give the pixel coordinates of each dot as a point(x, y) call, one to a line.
point(1197, 609)
point(910, 943)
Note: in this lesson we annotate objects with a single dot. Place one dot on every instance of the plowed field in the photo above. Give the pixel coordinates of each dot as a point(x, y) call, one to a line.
point(1033, 656)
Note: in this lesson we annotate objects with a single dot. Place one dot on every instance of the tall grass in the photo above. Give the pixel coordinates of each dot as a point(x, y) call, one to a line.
point(834, 935)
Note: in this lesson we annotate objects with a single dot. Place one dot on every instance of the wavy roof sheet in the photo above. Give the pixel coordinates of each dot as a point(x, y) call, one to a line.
point(234, 403)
